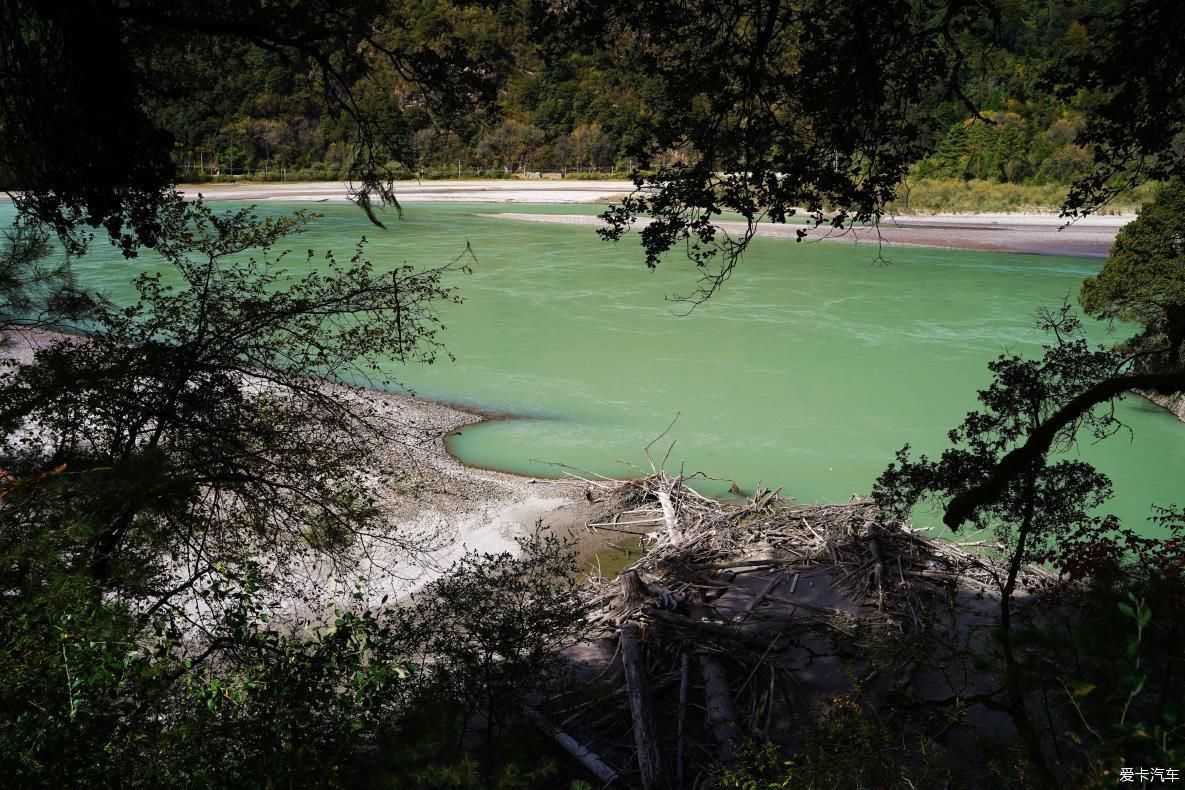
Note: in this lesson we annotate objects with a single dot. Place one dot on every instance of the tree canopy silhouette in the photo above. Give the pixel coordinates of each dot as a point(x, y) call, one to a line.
point(1143, 281)
point(780, 109)
point(80, 148)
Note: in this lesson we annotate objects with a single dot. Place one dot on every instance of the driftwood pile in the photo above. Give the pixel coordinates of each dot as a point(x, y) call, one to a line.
point(738, 615)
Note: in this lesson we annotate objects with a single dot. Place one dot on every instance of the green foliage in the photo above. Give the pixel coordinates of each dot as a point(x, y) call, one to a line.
point(1035, 508)
point(427, 755)
point(1118, 671)
point(148, 471)
point(845, 745)
point(99, 690)
point(199, 462)
point(993, 149)
point(757, 767)
point(166, 476)
point(1009, 92)
point(1043, 512)
point(496, 622)
point(32, 293)
point(560, 85)
point(95, 690)
point(950, 158)
point(510, 145)
point(99, 94)
point(988, 91)
point(1130, 80)
point(1143, 281)
point(795, 110)
point(1003, 146)
point(1117, 679)
point(805, 109)
point(163, 477)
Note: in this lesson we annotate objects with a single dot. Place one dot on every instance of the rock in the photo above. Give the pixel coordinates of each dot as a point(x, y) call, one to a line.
point(1174, 403)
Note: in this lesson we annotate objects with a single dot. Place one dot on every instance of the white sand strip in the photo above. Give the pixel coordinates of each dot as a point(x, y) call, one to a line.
point(436, 501)
point(1040, 234)
point(492, 191)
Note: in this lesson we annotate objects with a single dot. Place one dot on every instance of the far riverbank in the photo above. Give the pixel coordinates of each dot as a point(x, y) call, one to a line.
point(1032, 233)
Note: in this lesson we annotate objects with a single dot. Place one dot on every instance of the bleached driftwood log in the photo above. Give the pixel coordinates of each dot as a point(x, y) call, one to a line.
point(585, 756)
point(669, 516)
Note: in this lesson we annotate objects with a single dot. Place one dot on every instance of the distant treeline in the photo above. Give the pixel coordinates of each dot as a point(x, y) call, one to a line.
point(569, 112)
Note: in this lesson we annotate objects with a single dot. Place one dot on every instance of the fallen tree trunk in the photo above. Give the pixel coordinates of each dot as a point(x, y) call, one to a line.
point(718, 700)
point(583, 755)
point(722, 712)
point(641, 708)
point(878, 561)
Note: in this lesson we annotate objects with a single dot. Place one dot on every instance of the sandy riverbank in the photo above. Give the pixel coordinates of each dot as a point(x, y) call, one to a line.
point(1040, 234)
point(433, 499)
point(1037, 234)
point(552, 192)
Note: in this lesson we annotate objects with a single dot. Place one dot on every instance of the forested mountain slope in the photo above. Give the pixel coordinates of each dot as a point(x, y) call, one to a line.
point(584, 107)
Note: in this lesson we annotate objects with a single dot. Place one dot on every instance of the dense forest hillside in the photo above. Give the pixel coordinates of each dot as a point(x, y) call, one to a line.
point(571, 109)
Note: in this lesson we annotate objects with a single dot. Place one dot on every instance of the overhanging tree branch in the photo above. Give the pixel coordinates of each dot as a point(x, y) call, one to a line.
point(963, 506)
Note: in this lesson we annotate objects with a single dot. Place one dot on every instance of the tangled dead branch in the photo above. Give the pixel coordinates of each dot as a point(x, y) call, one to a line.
point(762, 594)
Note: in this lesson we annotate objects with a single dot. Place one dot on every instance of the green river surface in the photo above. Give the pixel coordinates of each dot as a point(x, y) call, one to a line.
point(808, 371)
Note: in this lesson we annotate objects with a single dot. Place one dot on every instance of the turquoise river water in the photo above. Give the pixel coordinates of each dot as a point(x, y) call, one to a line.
point(808, 371)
